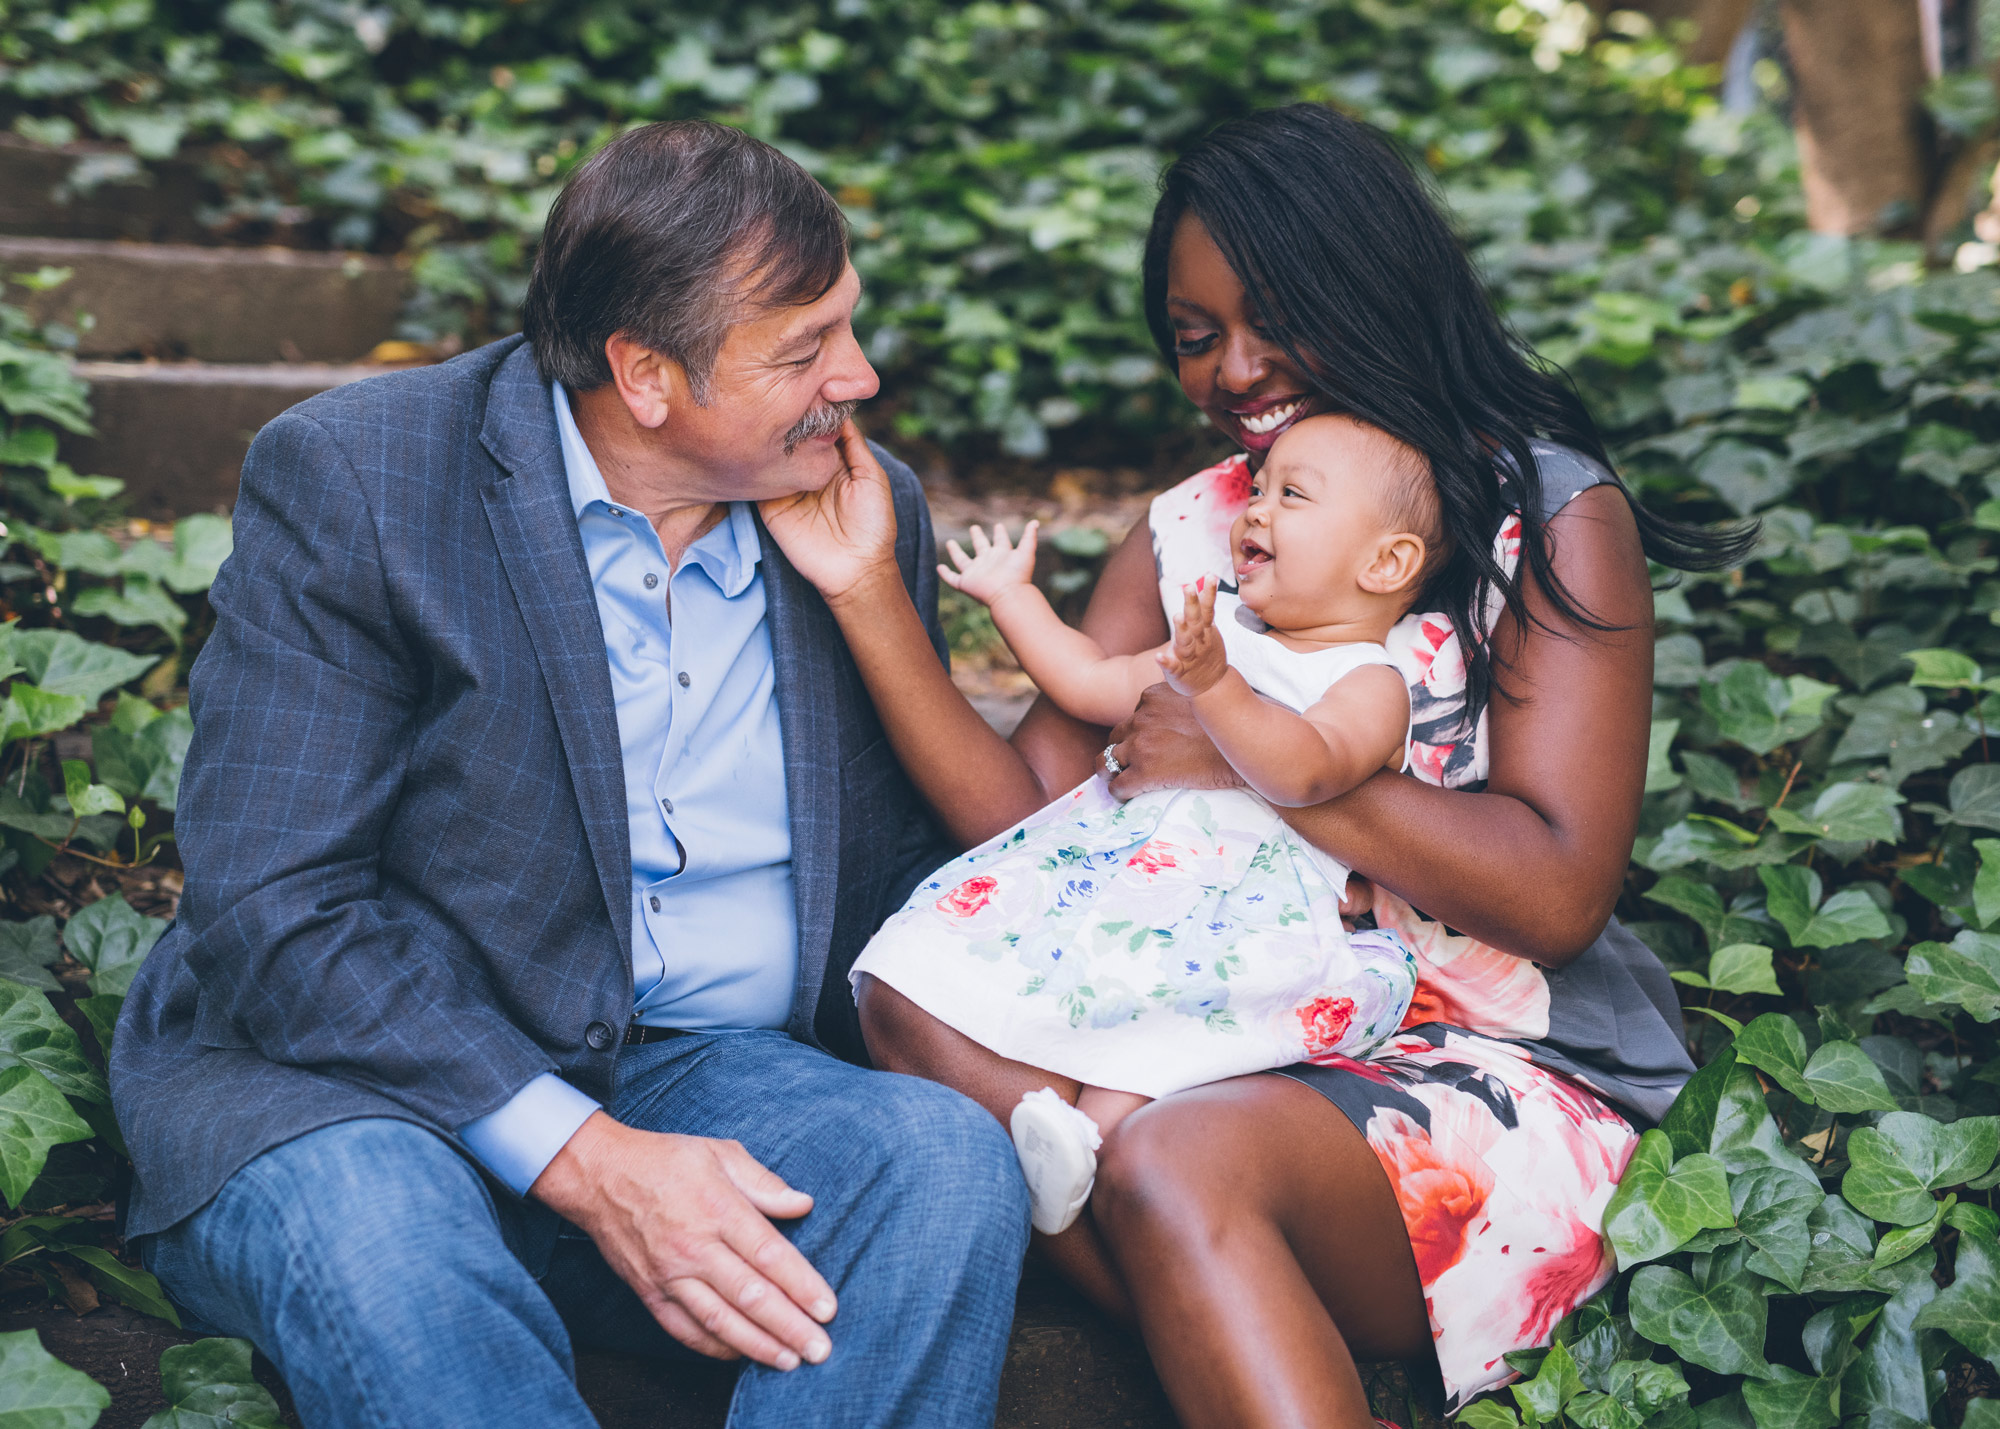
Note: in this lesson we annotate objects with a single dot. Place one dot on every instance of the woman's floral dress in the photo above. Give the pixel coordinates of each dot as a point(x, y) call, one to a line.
point(1179, 938)
point(1492, 1108)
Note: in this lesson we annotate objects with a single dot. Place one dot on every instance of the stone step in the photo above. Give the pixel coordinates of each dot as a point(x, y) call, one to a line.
point(176, 300)
point(1067, 1368)
point(97, 191)
point(175, 432)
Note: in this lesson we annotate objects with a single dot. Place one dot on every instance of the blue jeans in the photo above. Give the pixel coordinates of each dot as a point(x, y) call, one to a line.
point(370, 1262)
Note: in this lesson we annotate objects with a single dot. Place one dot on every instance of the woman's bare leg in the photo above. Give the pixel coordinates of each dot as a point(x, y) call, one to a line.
point(1263, 1250)
point(902, 1037)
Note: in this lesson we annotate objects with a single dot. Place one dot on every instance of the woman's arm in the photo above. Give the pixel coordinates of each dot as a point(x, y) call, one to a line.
point(1533, 865)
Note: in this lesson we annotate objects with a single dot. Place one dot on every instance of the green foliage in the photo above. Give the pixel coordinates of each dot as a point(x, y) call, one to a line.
point(997, 160)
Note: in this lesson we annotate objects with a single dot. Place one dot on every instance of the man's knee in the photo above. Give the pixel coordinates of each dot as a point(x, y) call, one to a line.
point(931, 1145)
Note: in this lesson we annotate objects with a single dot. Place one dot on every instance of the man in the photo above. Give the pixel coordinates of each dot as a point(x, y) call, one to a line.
point(534, 814)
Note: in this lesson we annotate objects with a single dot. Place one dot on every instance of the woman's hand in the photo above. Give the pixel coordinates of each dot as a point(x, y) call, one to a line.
point(844, 533)
point(1163, 746)
point(994, 564)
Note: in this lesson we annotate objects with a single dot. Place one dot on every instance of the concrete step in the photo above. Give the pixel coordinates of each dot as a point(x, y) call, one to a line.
point(175, 300)
point(176, 432)
point(1067, 1368)
point(97, 191)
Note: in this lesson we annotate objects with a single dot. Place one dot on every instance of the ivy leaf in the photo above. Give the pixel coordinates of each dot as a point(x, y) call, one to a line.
point(1896, 722)
point(1888, 1373)
point(101, 1012)
point(1712, 779)
point(1555, 1384)
point(1660, 1204)
point(1905, 1241)
point(208, 1385)
point(1842, 1258)
point(139, 600)
point(1760, 710)
point(1849, 916)
point(1896, 1164)
point(26, 951)
point(67, 664)
point(1774, 1044)
point(1487, 1414)
point(32, 1035)
point(1698, 900)
point(1986, 883)
point(30, 712)
point(1964, 973)
point(1717, 1323)
point(126, 1284)
point(39, 1391)
point(1791, 1400)
point(1847, 812)
point(1943, 669)
point(86, 798)
point(111, 939)
point(33, 1118)
point(1974, 796)
point(1743, 967)
point(1773, 1210)
point(202, 542)
point(1843, 1079)
point(1968, 1309)
point(1660, 775)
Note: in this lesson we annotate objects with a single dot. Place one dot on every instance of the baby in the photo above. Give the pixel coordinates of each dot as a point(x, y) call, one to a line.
point(1137, 949)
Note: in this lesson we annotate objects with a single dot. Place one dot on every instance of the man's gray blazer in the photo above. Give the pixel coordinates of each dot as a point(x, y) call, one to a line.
point(403, 816)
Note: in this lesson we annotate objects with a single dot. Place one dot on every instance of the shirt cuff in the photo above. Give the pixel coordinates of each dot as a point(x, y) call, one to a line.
point(516, 1141)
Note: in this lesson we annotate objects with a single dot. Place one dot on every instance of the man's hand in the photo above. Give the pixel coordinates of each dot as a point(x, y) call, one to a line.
point(1195, 661)
point(994, 564)
point(685, 1221)
point(844, 533)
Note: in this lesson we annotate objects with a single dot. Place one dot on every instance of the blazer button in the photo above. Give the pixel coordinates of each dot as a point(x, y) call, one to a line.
point(598, 1036)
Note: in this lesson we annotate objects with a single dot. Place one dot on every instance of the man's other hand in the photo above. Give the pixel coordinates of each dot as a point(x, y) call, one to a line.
point(686, 1222)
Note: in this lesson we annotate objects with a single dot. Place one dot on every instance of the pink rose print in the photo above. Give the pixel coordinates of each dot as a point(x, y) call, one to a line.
point(969, 897)
point(1154, 856)
point(1441, 1194)
point(1326, 1020)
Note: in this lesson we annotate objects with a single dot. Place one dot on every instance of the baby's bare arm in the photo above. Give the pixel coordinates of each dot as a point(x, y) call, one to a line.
point(1297, 760)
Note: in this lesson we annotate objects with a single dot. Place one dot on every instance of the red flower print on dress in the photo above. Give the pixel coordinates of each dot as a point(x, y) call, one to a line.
point(1154, 855)
point(969, 897)
point(1442, 1189)
point(1564, 1277)
point(1326, 1020)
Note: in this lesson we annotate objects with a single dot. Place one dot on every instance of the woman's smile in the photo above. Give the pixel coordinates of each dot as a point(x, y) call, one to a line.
point(1261, 422)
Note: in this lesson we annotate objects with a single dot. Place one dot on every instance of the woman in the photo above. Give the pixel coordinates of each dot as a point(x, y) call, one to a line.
point(1268, 1231)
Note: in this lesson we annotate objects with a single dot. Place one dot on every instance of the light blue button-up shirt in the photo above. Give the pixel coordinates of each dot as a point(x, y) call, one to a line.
point(714, 926)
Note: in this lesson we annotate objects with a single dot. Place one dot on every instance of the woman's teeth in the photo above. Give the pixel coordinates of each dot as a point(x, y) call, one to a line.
point(1271, 420)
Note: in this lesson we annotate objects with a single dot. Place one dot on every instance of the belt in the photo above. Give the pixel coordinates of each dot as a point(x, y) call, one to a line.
point(637, 1035)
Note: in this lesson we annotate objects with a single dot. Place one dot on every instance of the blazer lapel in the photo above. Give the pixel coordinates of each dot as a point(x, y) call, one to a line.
point(534, 525)
point(804, 645)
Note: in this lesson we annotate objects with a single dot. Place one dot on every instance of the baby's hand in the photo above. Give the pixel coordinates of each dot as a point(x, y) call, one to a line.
point(993, 565)
point(1196, 660)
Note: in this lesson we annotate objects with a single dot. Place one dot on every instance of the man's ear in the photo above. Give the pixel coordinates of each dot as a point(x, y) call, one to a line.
point(1397, 565)
point(650, 383)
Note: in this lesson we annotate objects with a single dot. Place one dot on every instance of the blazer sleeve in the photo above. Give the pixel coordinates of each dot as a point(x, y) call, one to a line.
point(305, 699)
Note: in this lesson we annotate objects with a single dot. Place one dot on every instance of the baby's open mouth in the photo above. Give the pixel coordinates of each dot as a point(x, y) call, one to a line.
point(1250, 555)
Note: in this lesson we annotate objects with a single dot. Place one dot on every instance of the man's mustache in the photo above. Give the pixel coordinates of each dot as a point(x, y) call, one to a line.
point(822, 421)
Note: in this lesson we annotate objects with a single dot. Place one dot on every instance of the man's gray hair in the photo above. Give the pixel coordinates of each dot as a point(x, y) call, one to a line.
point(662, 235)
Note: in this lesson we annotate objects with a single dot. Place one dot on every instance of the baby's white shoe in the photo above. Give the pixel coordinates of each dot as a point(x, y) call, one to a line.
point(1057, 1145)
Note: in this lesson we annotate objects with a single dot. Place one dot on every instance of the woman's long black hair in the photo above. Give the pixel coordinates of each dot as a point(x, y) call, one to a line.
point(1360, 280)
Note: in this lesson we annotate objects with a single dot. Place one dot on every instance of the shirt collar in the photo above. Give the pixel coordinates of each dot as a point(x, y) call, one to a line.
point(729, 553)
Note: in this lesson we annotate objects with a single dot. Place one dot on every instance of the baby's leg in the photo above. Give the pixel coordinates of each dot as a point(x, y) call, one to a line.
point(1108, 1108)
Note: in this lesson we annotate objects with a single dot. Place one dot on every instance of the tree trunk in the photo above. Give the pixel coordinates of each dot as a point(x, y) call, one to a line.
point(1866, 146)
point(1715, 23)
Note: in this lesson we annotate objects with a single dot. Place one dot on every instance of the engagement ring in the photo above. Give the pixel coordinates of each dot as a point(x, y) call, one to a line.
point(1112, 768)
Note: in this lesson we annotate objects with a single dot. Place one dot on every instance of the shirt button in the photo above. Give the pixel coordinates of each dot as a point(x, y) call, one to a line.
point(683, 678)
point(667, 804)
point(654, 902)
point(620, 515)
point(597, 1036)
point(652, 580)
